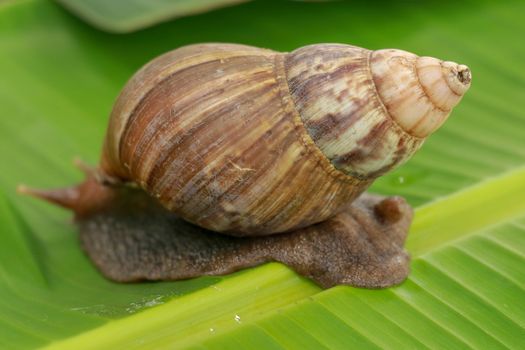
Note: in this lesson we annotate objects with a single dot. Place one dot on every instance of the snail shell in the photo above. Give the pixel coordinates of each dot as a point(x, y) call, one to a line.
point(250, 141)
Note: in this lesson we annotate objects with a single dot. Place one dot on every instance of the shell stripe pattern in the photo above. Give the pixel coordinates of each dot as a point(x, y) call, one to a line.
point(335, 94)
point(236, 155)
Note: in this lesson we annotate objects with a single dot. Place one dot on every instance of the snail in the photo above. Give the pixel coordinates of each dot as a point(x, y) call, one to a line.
point(223, 156)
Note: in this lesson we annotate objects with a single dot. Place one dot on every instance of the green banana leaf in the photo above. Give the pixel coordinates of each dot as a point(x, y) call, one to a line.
point(58, 80)
point(121, 16)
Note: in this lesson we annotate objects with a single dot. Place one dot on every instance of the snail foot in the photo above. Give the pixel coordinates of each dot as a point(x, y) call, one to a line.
point(133, 238)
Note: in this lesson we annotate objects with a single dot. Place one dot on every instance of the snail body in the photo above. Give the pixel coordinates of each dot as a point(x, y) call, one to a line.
point(276, 146)
point(250, 141)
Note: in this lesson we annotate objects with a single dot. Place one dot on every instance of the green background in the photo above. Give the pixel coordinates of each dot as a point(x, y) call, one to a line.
point(58, 79)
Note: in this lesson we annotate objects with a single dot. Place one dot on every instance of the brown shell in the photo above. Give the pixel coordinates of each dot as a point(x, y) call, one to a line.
point(213, 133)
point(335, 93)
point(250, 141)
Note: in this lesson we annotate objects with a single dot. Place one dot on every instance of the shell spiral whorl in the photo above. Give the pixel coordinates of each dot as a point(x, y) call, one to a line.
point(250, 141)
point(369, 111)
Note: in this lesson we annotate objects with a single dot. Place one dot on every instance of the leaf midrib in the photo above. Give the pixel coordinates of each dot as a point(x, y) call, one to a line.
point(435, 225)
point(465, 212)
